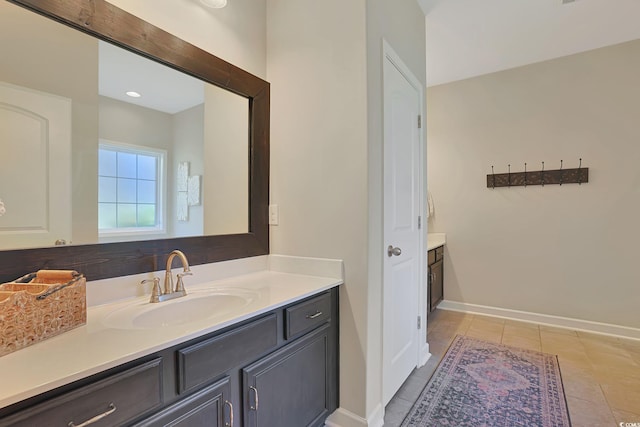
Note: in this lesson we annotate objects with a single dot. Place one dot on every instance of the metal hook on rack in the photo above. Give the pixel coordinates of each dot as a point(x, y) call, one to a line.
point(493, 176)
point(509, 176)
point(579, 174)
point(560, 172)
point(525, 174)
point(542, 174)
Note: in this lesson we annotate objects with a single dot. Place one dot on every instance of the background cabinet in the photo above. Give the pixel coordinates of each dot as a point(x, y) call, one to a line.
point(435, 259)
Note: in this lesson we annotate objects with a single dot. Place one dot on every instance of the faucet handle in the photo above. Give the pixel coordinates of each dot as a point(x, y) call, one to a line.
point(156, 291)
point(180, 283)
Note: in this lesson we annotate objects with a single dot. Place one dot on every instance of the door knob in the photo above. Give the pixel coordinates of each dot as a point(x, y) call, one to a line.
point(393, 251)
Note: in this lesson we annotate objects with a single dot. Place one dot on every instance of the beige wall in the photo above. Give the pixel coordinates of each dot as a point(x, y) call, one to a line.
point(317, 70)
point(226, 155)
point(567, 251)
point(132, 124)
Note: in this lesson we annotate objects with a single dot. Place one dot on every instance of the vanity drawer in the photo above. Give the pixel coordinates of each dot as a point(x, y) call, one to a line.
point(307, 315)
point(207, 360)
point(112, 401)
point(435, 255)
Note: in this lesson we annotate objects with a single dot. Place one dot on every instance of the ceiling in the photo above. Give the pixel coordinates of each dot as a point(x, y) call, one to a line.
point(162, 88)
point(467, 38)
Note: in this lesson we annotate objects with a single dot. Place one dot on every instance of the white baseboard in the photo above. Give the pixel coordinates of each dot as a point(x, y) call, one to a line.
point(544, 319)
point(344, 418)
point(424, 355)
point(376, 418)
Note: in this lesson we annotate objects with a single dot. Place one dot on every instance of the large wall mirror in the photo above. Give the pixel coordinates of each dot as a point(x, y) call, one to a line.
point(121, 142)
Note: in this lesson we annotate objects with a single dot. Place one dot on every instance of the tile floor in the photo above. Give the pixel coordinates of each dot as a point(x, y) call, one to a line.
point(601, 374)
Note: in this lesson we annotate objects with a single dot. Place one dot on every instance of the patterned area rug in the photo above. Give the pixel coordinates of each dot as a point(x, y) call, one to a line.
point(481, 384)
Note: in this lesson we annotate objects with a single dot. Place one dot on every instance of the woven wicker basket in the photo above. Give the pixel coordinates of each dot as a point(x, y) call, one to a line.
point(53, 302)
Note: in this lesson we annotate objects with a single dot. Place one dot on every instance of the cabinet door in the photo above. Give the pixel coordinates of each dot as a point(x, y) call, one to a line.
point(436, 288)
point(290, 387)
point(208, 407)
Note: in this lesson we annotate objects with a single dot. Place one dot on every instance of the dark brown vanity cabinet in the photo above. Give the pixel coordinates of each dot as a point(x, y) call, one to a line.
point(435, 278)
point(279, 368)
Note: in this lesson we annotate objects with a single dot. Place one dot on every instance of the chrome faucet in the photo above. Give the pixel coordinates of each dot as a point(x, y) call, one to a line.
point(158, 294)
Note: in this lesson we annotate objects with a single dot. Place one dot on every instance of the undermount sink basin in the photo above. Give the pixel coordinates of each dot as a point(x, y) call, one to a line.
point(192, 308)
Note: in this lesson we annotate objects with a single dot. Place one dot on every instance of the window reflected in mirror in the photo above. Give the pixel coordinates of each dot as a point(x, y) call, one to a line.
point(131, 182)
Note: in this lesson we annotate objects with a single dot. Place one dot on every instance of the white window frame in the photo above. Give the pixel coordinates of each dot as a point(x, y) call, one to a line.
point(161, 189)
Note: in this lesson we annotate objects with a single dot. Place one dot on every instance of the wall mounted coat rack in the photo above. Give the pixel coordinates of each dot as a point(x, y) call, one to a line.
point(542, 177)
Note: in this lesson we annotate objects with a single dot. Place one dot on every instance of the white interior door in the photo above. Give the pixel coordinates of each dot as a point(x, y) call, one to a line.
point(35, 167)
point(402, 234)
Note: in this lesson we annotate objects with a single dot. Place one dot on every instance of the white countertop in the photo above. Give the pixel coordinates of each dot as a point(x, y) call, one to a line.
point(99, 345)
point(435, 240)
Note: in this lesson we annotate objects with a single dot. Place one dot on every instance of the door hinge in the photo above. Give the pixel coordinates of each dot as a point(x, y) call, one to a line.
point(419, 122)
point(419, 222)
point(419, 322)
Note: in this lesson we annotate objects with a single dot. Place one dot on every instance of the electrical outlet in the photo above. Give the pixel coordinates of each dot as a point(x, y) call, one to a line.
point(273, 215)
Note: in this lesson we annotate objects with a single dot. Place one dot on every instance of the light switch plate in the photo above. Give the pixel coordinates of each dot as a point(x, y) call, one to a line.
point(273, 215)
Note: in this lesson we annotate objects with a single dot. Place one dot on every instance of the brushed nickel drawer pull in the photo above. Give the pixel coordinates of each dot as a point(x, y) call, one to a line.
point(230, 423)
point(255, 390)
point(111, 410)
point(313, 316)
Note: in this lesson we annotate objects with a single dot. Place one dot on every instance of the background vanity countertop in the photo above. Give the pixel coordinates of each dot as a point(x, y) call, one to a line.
point(435, 240)
point(273, 280)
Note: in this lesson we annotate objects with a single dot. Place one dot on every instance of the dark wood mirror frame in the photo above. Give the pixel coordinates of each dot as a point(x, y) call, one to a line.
point(98, 261)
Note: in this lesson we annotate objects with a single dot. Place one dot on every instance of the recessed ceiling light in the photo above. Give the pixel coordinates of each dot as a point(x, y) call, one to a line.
point(216, 4)
point(133, 94)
